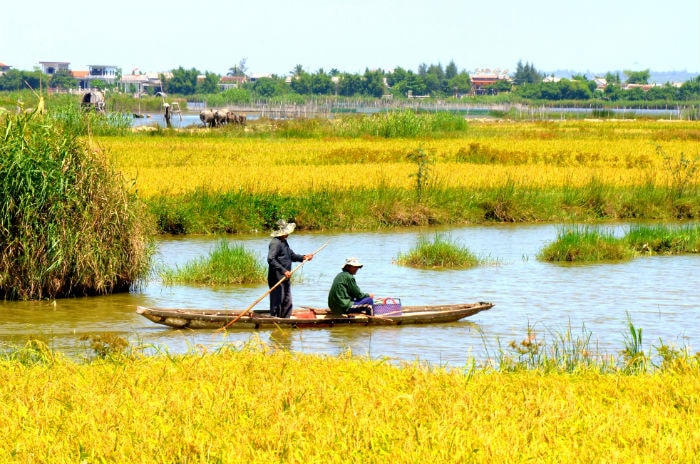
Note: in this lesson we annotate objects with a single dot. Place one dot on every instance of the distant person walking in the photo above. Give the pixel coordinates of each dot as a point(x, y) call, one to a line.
point(345, 295)
point(279, 260)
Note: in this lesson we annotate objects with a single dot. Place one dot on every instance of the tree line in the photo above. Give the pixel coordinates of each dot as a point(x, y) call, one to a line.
point(432, 80)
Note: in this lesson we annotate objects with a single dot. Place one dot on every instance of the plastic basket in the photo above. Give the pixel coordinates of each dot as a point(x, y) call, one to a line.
point(387, 307)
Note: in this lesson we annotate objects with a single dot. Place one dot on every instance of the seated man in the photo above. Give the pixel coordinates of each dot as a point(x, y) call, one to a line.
point(345, 296)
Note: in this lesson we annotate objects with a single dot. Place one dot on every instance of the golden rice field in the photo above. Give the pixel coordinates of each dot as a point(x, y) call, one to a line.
point(253, 407)
point(489, 154)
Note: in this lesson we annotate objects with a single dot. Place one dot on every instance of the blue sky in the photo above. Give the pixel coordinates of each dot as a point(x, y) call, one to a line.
point(274, 36)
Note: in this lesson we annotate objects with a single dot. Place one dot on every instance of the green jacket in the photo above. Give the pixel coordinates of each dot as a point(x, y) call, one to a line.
point(342, 293)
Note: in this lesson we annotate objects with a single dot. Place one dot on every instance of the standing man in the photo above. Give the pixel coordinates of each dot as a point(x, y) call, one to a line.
point(345, 295)
point(279, 259)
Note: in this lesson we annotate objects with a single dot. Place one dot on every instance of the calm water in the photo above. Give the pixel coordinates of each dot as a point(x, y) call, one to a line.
point(191, 116)
point(659, 294)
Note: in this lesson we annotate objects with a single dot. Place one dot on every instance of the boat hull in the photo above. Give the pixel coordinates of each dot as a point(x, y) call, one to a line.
point(307, 317)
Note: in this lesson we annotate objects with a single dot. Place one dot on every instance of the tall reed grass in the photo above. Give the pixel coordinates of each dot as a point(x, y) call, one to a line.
point(68, 224)
point(85, 122)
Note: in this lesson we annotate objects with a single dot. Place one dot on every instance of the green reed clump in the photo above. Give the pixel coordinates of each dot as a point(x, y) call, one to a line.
point(389, 124)
point(664, 239)
point(444, 122)
point(87, 122)
point(585, 244)
point(423, 161)
point(635, 359)
point(224, 265)
point(67, 225)
point(440, 252)
point(564, 353)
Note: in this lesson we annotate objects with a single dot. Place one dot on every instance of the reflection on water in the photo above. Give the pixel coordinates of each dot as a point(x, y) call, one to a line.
point(658, 293)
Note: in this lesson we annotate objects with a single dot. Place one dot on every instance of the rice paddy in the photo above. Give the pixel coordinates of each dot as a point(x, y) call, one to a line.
point(532, 402)
point(486, 155)
point(255, 404)
point(200, 181)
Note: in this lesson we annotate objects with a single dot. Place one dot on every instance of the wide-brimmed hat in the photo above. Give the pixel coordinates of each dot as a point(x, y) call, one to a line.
point(283, 228)
point(354, 262)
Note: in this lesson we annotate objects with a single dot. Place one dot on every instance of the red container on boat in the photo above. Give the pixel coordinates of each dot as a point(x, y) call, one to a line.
point(304, 314)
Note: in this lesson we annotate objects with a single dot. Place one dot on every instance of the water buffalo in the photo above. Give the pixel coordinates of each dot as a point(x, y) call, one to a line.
point(234, 118)
point(220, 117)
point(207, 117)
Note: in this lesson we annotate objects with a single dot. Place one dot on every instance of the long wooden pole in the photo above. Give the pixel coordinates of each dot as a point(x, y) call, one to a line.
point(271, 289)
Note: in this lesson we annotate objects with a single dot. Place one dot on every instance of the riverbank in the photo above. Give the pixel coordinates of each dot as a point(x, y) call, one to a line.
point(381, 209)
point(258, 404)
point(333, 175)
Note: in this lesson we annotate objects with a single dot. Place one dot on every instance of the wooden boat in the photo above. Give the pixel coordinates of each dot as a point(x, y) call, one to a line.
point(306, 317)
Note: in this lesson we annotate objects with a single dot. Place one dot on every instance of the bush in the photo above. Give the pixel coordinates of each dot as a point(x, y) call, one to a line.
point(68, 226)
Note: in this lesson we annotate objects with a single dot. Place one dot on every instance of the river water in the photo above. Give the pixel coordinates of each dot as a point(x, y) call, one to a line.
point(659, 294)
point(190, 118)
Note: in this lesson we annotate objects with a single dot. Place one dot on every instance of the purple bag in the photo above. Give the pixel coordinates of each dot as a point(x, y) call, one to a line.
point(387, 307)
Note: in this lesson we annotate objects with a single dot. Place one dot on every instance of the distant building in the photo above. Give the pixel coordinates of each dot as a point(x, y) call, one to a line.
point(644, 87)
point(482, 78)
point(231, 82)
point(4, 68)
point(106, 73)
point(255, 77)
point(52, 67)
point(139, 83)
point(80, 75)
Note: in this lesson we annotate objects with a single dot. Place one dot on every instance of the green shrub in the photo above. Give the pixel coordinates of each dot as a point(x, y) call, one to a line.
point(67, 225)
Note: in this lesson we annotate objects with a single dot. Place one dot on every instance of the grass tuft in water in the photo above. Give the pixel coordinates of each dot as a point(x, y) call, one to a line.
point(585, 244)
point(226, 264)
point(663, 239)
point(440, 252)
